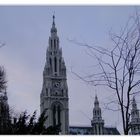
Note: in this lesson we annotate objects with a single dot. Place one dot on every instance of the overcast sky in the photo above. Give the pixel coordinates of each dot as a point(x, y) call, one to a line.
point(25, 30)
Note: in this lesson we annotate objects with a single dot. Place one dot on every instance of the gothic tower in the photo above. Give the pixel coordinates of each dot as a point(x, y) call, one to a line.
point(54, 95)
point(135, 119)
point(97, 121)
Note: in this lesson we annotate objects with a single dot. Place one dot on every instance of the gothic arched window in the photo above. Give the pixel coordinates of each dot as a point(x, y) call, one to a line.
point(95, 112)
point(50, 62)
point(59, 114)
point(62, 92)
point(54, 44)
point(51, 42)
point(55, 64)
point(99, 130)
point(54, 115)
point(57, 42)
point(46, 92)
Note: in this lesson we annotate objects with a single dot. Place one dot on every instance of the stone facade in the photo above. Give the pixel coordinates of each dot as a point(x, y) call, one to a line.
point(54, 95)
point(135, 119)
point(97, 121)
point(97, 124)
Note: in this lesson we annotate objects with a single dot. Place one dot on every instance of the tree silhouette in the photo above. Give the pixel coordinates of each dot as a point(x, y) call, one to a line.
point(118, 68)
point(27, 125)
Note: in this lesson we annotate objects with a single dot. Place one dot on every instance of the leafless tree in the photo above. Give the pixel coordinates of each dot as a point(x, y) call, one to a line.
point(119, 67)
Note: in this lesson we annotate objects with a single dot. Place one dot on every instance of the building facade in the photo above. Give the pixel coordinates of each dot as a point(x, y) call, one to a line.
point(54, 95)
point(97, 122)
point(135, 119)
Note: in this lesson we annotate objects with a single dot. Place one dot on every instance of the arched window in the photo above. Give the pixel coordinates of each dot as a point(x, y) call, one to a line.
point(59, 114)
point(59, 64)
point(99, 130)
point(50, 62)
point(57, 42)
point(62, 92)
point(54, 115)
point(46, 92)
point(54, 44)
point(95, 129)
point(95, 112)
point(51, 42)
point(55, 64)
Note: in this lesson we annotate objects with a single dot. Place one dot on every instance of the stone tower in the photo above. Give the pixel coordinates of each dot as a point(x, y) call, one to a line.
point(97, 121)
point(54, 94)
point(135, 119)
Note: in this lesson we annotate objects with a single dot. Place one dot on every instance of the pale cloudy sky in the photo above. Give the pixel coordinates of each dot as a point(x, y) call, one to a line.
point(25, 30)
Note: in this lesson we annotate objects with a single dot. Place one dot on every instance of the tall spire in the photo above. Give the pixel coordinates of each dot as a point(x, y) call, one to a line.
point(53, 20)
point(54, 87)
point(97, 121)
point(135, 118)
point(96, 102)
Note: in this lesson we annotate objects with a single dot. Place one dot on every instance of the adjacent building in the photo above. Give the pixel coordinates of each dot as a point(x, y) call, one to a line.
point(97, 124)
point(135, 119)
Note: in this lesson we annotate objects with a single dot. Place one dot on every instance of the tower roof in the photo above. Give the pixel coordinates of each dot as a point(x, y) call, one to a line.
point(53, 29)
point(96, 102)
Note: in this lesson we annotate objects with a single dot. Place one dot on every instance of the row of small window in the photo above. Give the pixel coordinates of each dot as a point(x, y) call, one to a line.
point(97, 112)
point(99, 129)
point(136, 128)
point(56, 93)
point(55, 63)
point(54, 43)
point(55, 52)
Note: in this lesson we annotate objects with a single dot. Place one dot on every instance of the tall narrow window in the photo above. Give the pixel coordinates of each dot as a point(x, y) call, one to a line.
point(46, 92)
point(59, 64)
point(54, 44)
point(57, 42)
point(55, 64)
point(59, 115)
point(54, 115)
point(99, 130)
point(95, 129)
point(51, 42)
point(50, 62)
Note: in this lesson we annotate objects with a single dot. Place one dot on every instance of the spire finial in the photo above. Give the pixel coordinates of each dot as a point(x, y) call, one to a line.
point(53, 29)
point(96, 98)
point(54, 18)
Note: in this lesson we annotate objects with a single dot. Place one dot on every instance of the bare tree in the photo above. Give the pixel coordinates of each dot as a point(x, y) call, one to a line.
point(119, 67)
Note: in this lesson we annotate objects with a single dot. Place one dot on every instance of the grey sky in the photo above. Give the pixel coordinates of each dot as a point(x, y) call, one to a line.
point(25, 30)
